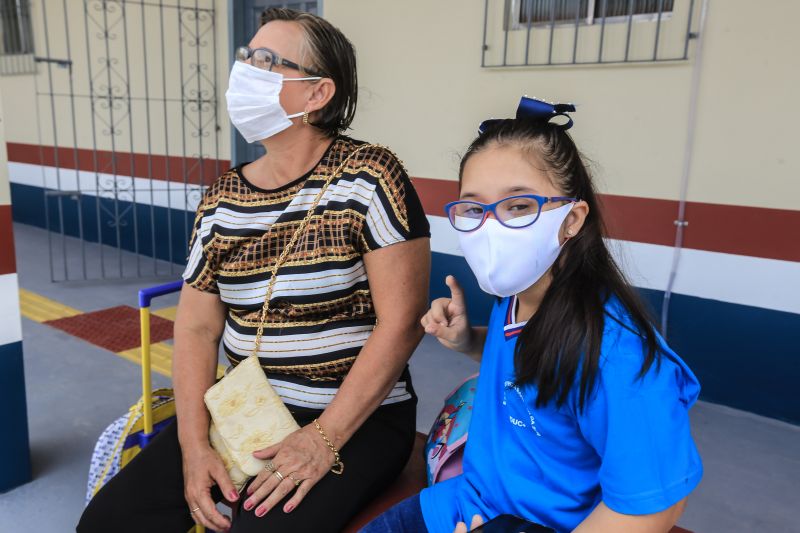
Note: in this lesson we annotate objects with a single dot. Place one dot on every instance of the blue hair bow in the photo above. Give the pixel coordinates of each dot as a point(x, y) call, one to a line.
point(531, 108)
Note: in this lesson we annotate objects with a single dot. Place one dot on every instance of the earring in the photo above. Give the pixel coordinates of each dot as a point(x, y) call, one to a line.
point(305, 117)
point(570, 232)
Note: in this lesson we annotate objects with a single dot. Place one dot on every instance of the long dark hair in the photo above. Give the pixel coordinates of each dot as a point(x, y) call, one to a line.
point(563, 338)
point(332, 54)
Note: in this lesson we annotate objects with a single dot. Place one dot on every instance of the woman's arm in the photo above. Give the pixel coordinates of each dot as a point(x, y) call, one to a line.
point(198, 328)
point(603, 520)
point(398, 280)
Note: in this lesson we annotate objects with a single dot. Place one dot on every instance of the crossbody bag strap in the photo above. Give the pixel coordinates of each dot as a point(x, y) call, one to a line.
point(295, 237)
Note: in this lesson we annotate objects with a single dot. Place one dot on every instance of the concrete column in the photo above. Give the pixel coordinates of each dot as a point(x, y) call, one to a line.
point(15, 462)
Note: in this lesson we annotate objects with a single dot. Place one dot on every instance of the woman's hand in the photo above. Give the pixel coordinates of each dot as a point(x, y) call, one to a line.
point(302, 459)
point(447, 319)
point(461, 527)
point(202, 469)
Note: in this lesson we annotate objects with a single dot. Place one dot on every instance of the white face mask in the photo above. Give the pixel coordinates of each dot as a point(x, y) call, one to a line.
point(253, 101)
point(506, 261)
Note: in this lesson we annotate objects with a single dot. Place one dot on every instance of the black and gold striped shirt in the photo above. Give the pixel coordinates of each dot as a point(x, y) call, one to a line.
point(321, 312)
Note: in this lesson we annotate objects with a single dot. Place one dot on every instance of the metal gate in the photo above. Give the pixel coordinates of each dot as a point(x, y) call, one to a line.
point(129, 130)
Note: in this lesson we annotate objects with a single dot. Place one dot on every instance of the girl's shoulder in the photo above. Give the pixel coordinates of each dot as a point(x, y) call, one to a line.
point(624, 350)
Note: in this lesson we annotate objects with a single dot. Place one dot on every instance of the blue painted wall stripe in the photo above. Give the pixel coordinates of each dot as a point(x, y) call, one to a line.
point(15, 462)
point(28, 205)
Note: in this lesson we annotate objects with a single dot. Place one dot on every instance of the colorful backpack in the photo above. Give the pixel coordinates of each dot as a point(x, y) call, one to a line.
point(444, 449)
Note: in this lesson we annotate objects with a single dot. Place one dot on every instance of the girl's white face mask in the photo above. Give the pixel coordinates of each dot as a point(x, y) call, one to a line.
point(253, 101)
point(506, 261)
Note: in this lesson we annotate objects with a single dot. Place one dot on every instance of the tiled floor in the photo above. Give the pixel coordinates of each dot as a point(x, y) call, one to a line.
point(94, 327)
point(75, 388)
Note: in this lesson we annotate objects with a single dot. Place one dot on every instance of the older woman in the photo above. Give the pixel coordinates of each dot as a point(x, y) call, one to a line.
point(343, 317)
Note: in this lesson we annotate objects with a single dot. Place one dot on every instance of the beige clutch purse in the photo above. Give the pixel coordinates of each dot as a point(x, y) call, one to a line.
point(247, 415)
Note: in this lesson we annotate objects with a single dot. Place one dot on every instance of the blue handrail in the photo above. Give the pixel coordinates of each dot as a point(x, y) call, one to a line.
point(147, 295)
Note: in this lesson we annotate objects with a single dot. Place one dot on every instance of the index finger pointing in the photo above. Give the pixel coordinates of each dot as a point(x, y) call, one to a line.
point(456, 292)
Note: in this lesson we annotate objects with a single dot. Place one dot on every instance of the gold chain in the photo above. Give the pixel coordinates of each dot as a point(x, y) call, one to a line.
point(338, 465)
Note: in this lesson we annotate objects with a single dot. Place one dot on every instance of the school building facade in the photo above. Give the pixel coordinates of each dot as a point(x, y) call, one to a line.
point(115, 121)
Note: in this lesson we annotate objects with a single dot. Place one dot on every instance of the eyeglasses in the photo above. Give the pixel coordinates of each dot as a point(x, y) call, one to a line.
point(512, 212)
point(266, 59)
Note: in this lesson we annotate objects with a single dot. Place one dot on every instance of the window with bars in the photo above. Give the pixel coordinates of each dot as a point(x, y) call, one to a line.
point(521, 33)
point(16, 38)
point(16, 28)
point(568, 11)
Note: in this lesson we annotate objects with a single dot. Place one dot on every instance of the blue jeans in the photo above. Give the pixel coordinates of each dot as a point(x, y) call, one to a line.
point(405, 517)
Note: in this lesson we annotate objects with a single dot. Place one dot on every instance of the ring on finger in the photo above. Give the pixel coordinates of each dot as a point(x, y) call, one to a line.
point(278, 475)
point(194, 510)
point(297, 482)
point(270, 467)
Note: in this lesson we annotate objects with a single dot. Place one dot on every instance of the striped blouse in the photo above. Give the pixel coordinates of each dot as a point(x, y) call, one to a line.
point(321, 312)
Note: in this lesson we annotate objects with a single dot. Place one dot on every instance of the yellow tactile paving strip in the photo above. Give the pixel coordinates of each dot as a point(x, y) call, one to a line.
point(40, 309)
point(160, 358)
point(168, 312)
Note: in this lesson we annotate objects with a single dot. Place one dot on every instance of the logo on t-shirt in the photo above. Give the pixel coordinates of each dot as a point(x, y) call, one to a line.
point(514, 420)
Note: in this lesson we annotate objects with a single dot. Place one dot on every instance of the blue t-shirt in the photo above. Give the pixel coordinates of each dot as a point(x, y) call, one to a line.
point(630, 447)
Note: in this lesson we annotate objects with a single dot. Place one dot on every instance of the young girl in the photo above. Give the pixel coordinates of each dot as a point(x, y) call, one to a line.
point(580, 421)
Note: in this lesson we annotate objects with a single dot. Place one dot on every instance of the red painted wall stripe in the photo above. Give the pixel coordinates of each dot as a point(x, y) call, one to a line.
point(7, 261)
point(160, 167)
point(732, 229)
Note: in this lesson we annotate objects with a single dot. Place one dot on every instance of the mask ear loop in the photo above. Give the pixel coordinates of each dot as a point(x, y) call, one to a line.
point(303, 114)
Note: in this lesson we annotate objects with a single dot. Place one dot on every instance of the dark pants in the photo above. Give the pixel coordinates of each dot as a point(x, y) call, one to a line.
point(405, 517)
point(147, 495)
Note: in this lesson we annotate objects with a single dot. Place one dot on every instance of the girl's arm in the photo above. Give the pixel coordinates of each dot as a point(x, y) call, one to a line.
point(603, 520)
point(478, 339)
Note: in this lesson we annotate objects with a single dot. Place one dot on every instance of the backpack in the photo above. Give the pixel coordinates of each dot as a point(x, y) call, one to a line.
point(444, 449)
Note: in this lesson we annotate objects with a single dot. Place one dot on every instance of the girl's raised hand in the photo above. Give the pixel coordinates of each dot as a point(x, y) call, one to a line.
point(447, 319)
